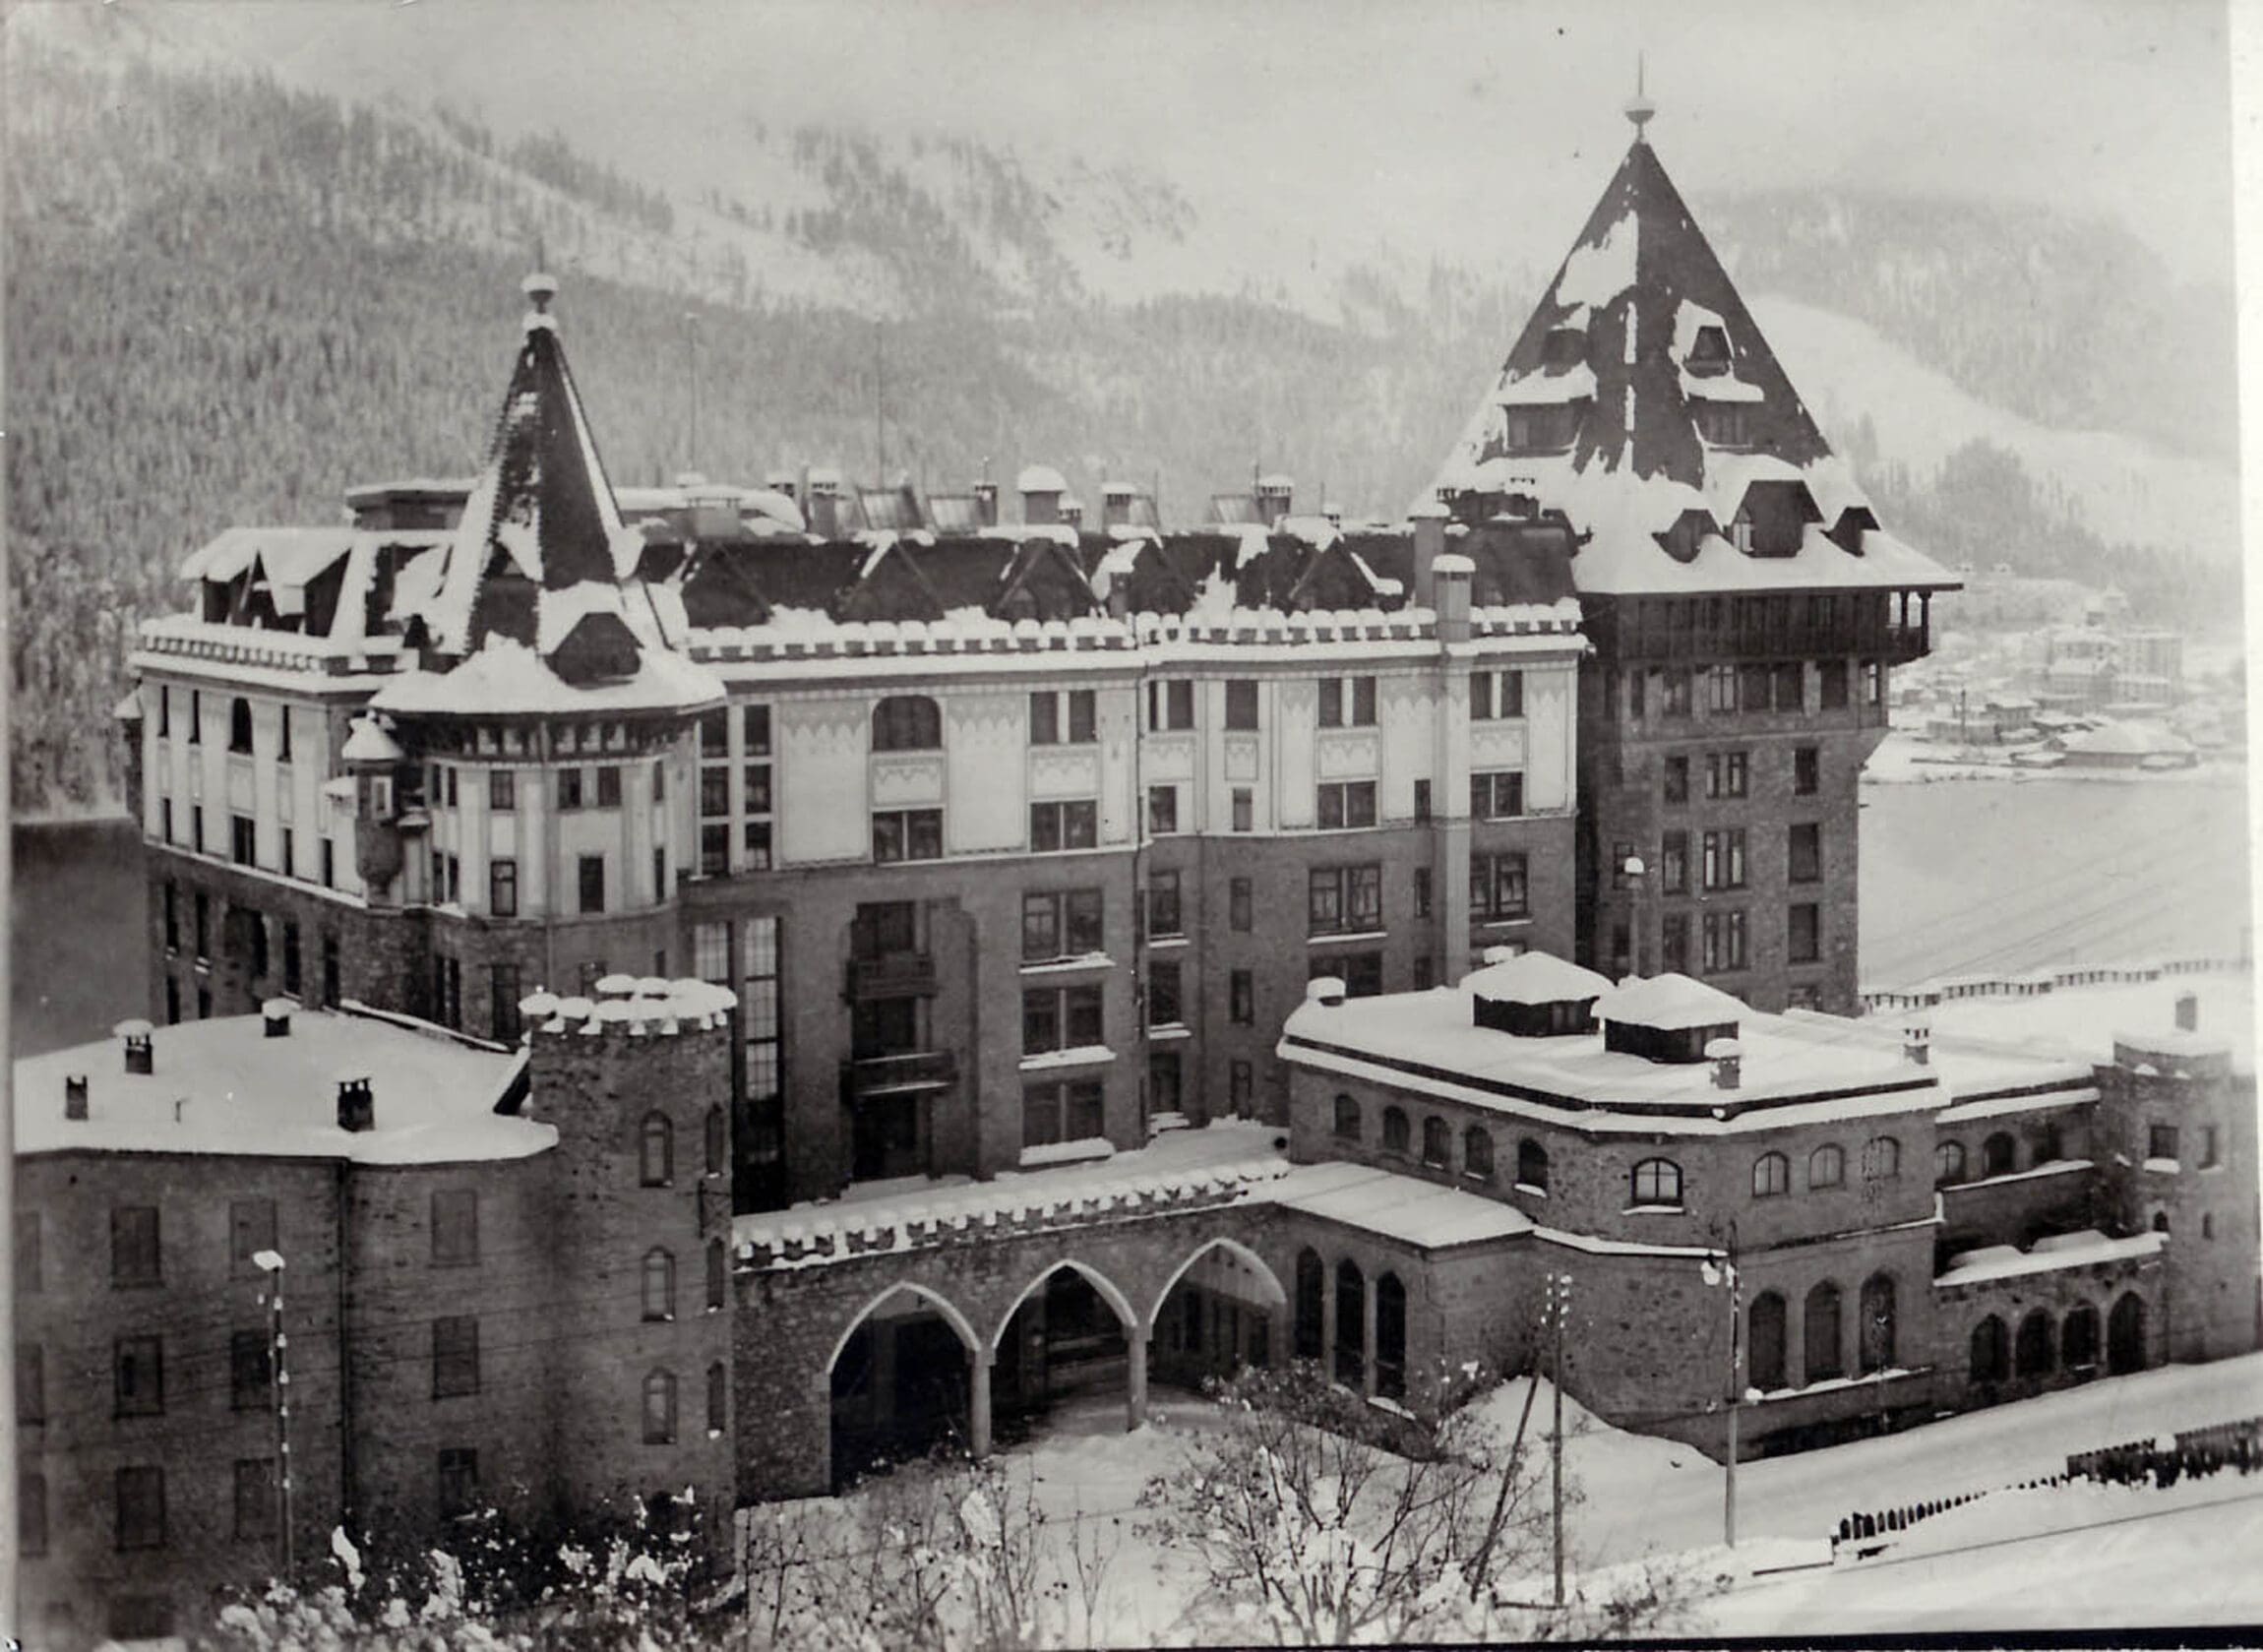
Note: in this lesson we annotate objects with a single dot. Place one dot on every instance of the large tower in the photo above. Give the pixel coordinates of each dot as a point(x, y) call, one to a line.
point(1743, 605)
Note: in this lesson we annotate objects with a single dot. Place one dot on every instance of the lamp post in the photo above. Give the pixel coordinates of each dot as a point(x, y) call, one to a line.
point(1634, 871)
point(270, 1263)
point(1729, 1279)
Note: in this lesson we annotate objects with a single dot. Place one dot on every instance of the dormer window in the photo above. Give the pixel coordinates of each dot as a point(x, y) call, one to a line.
point(1538, 430)
point(1709, 351)
point(1566, 346)
point(1723, 425)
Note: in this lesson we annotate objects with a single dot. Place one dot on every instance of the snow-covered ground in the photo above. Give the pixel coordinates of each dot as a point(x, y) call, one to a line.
point(2185, 1556)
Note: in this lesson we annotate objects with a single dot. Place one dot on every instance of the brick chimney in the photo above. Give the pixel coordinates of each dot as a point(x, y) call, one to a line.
point(1918, 1044)
point(2188, 1012)
point(1276, 495)
point(1451, 576)
point(1727, 1059)
point(986, 503)
point(141, 1056)
point(1116, 504)
point(1429, 540)
point(275, 1016)
point(1071, 509)
point(75, 1096)
point(1041, 487)
point(356, 1107)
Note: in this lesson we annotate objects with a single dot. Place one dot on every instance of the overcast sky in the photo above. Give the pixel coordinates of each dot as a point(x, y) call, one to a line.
point(1459, 128)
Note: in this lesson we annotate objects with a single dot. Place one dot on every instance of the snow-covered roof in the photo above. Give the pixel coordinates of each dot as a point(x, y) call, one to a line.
point(2051, 1255)
point(223, 1086)
point(1669, 1002)
point(2127, 739)
point(1534, 978)
point(506, 678)
point(369, 740)
point(1406, 1209)
point(1040, 478)
point(2082, 1023)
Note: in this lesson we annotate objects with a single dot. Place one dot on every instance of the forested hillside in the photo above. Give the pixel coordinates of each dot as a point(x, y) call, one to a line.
point(228, 300)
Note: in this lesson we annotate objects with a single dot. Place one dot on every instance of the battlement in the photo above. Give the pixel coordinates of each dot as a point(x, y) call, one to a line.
point(629, 1007)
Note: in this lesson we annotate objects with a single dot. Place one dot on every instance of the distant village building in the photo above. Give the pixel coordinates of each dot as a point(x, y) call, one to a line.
point(751, 980)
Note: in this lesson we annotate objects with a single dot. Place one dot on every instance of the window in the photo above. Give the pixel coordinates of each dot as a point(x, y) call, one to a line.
point(243, 840)
point(1826, 1166)
point(1238, 904)
point(1311, 1300)
point(251, 1229)
point(1396, 1129)
point(134, 1257)
point(1362, 973)
point(1171, 703)
point(1241, 1086)
point(503, 996)
point(1164, 914)
point(1351, 1323)
point(1241, 996)
point(1344, 899)
point(661, 1408)
point(1676, 772)
point(1658, 1182)
point(1674, 695)
point(1999, 1155)
point(1060, 922)
point(140, 1371)
point(1724, 859)
point(1990, 1355)
point(569, 788)
point(1347, 1119)
point(1881, 1159)
point(1163, 1007)
point(1064, 825)
point(656, 1151)
point(330, 992)
point(1496, 796)
point(30, 1512)
point(328, 859)
point(2209, 1148)
point(1753, 680)
point(502, 791)
point(240, 725)
point(1061, 1019)
point(290, 852)
point(1771, 1176)
point(251, 1374)
point(1721, 689)
point(906, 722)
point(716, 1142)
point(1531, 1166)
point(1874, 1350)
point(1791, 686)
point(718, 1273)
point(455, 1227)
point(1436, 1142)
point(907, 835)
point(718, 1397)
point(30, 1383)
point(141, 1507)
point(197, 827)
point(1049, 726)
point(1477, 1153)
point(1764, 1363)
point(659, 1284)
point(1347, 701)
point(1803, 942)
point(1390, 1337)
point(1726, 774)
point(455, 1356)
point(1873, 683)
point(2161, 1142)
point(1498, 885)
point(1803, 852)
point(1244, 809)
point(1806, 770)
point(592, 880)
point(1496, 695)
point(1163, 1094)
point(1723, 939)
point(1831, 677)
point(1823, 1359)
point(459, 1483)
point(1241, 703)
point(2052, 1147)
point(1350, 803)
point(1422, 892)
point(255, 1486)
point(1674, 863)
point(503, 886)
point(1070, 1111)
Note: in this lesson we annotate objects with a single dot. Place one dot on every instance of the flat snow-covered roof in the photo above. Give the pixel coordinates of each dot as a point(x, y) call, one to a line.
point(241, 1092)
point(2081, 1023)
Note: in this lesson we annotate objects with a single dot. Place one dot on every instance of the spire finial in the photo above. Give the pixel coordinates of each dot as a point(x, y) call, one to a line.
point(540, 286)
point(1639, 108)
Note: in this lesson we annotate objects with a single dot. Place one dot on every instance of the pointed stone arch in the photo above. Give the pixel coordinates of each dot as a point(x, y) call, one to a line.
point(943, 1305)
point(1110, 1292)
point(1280, 1295)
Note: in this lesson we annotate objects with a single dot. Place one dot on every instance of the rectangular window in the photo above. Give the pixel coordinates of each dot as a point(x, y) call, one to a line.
point(1503, 697)
point(1165, 916)
point(1054, 826)
point(1171, 703)
point(1422, 892)
point(1636, 683)
point(503, 994)
point(172, 911)
point(714, 791)
point(165, 714)
point(141, 1507)
point(1752, 687)
point(1241, 703)
point(1331, 702)
point(1072, 1112)
point(503, 886)
point(1674, 695)
point(569, 788)
point(1061, 923)
point(754, 783)
point(1348, 802)
point(452, 775)
point(907, 835)
point(1674, 863)
point(455, 1227)
point(1676, 780)
point(1362, 702)
point(660, 782)
point(1724, 860)
point(1498, 885)
point(502, 791)
point(166, 819)
point(714, 849)
point(134, 1257)
point(1044, 718)
point(196, 717)
point(328, 864)
point(251, 1229)
point(1062, 1018)
point(1238, 904)
point(2211, 1149)
point(459, 1483)
point(255, 1498)
point(455, 1356)
point(1162, 811)
point(2161, 1142)
point(1421, 811)
point(1721, 689)
point(1244, 809)
point(1805, 943)
point(1344, 899)
point(1496, 796)
point(197, 827)
point(141, 1376)
point(1831, 678)
point(289, 854)
point(330, 990)
point(1723, 941)
point(756, 843)
point(593, 882)
point(1806, 770)
point(251, 1375)
point(1060, 717)
point(1873, 683)
point(1242, 996)
point(1726, 774)
point(1362, 973)
point(608, 787)
point(30, 1263)
point(1164, 1008)
point(1240, 1088)
point(1674, 942)
point(1803, 855)
point(1791, 686)
point(30, 1383)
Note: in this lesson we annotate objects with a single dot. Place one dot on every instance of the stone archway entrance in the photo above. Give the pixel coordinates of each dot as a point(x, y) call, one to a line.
point(1217, 1314)
point(900, 1384)
point(1071, 1334)
point(2125, 1335)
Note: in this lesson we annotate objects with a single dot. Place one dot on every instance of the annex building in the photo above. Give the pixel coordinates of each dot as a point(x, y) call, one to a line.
point(710, 987)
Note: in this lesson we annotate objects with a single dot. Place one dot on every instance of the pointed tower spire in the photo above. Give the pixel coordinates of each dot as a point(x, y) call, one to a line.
point(1639, 107)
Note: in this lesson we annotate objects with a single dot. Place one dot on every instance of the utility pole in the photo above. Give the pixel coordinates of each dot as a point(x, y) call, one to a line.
point(879, 409)
point(692, 358)
point(1736, 1390)
point(1561, 1287)
point(270, 1263)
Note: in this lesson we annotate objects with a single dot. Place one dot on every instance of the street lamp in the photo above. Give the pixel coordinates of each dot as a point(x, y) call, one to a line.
point(270, 1263)
point(1633, 869)
point(1726, 1275)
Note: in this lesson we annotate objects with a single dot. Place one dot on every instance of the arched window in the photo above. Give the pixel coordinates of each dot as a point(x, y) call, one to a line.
point(659, 1284)
point(718, 1397)
point(906, 722)
point(2161, 1221)
point(1658, 1181)
point(1881, 1159)
point(2031, 1351)
point(1477, 1153)
point(656, 1154)
point(1822, 1342)
point(1771, 1175)
point(1347, 1119)
point(239, 724)
point(718, 1272)
point(1351, 1324)
point(1948, 1163)
point(1827, 1166)
point(661, 1408)
point(1390, 1337)
point(2125, 1335)
point(1394, 1129)
point(1999, 1154)
point(718, 1140)
point(1436, 1142)
point(1990, 1360)
point(1876, 1338)
point(1764, 1360)
point(2078, 1338)
point(2052, 1147)
point(1532, 1165)
point(1311, 1297)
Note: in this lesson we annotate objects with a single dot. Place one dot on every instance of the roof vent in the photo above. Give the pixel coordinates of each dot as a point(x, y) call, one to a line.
point(1918, 1044)
point(1041, 487)
point(1276, 494)
point(2187, 1012)
point(1326, 990)
point(1727, 1059)
point(986, 503)
point(356, 1107)
point(141, 1057)
point(275, 1016)
point(75, 1096)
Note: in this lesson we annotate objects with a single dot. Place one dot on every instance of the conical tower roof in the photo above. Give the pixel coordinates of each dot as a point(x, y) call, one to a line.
point(1642, 400)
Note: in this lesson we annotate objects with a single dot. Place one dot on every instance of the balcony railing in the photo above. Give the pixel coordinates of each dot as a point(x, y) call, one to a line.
point(891, 975)
point(898, 1075)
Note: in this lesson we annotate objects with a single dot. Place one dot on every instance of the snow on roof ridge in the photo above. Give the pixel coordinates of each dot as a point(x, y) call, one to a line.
point(1536, 978)
point(1669, 1002)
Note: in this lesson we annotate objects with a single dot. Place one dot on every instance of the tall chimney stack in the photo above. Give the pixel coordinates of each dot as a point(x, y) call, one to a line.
point(356, 1107)
point(75, 1096)
point(1451, 577)
point(1918, 1044)
point(140, 1056)
point(1429, 540)
point(1727, 1059)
